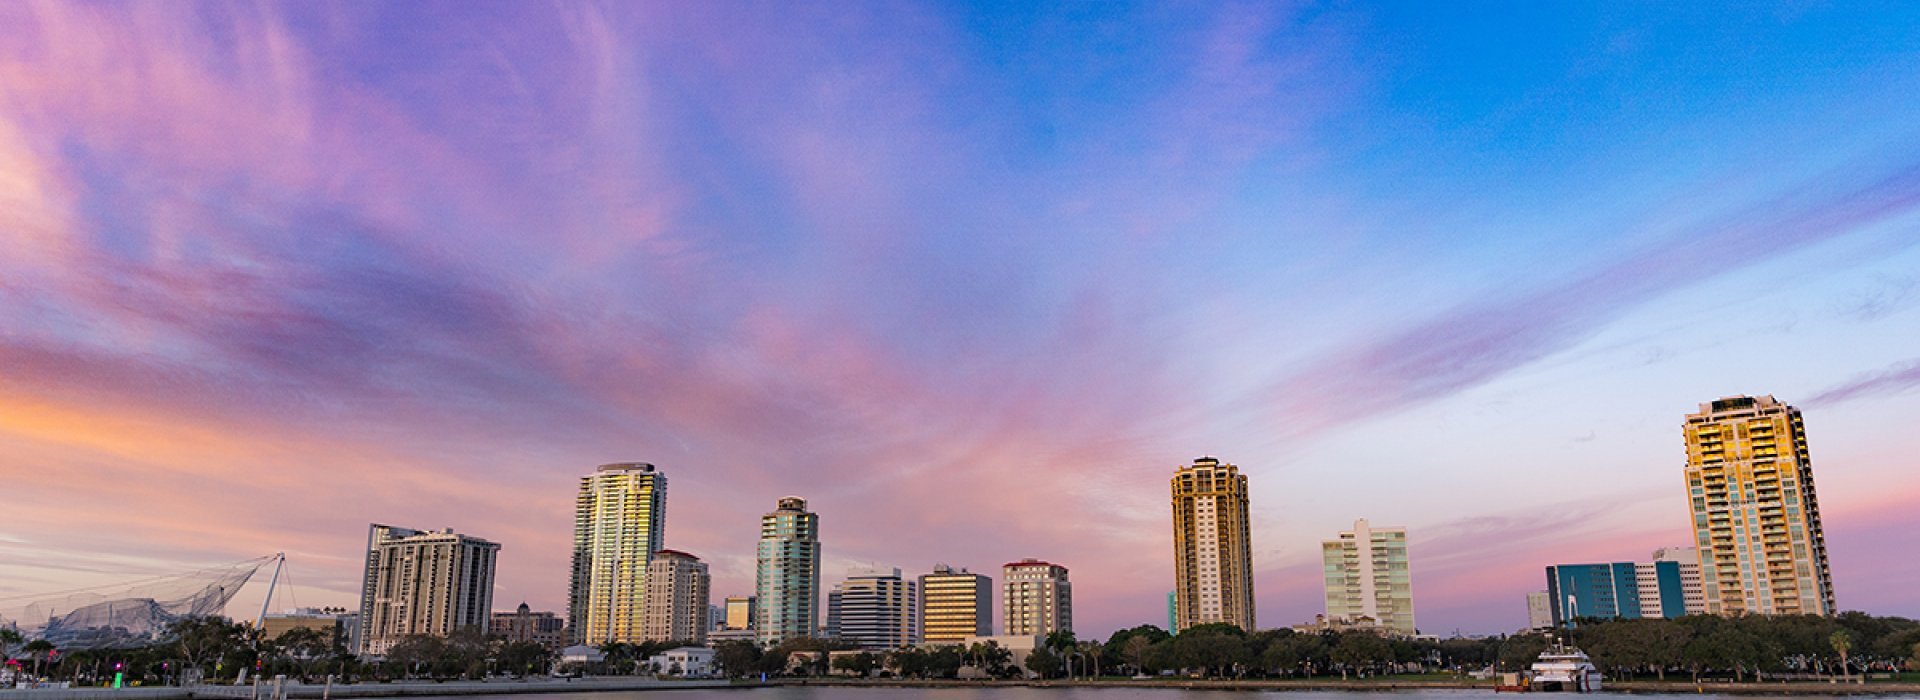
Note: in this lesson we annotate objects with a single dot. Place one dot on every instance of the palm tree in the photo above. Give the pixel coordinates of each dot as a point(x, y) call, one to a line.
point(1842, 642)
point(39, 650)
point(8, 637)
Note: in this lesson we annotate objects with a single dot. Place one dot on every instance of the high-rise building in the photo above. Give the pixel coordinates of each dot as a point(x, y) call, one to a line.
point(955, 605)
point(619, 521)
point(787, 578)
point(676, 598)
point(1367, 576)
point(740, 612)
point(1212, 546)
point(1039, 598)
point(1620, 590)
point(1539, 610)
point(524, 625)
point(1756, 519)
point(876, 609)
point(1688, 559)
point(423, 583)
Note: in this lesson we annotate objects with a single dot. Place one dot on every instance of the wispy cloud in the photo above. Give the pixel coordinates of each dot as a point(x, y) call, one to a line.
point(1894, 379)
point(1476, 342)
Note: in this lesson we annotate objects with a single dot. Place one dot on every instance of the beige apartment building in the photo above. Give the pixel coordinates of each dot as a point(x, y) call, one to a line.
point(423, 583)
point(1368, 576)
point(676, 600)
point(1039, 598)
point(1756, 517)
point(1212, 546)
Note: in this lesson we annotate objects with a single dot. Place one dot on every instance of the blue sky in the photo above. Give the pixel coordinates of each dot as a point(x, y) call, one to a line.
point(973, 279)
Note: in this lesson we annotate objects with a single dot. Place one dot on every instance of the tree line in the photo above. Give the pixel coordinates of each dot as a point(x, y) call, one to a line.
point(214, 649)
point(1736, 648)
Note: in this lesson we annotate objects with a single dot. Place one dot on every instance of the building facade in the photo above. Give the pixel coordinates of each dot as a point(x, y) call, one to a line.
point(1212, 546)
point(1539, 610)
point(955, 605)
point(740, 612)
point(619, 522)
point(524, 625)
point(329, 622)
point(1367, 575)
point(1756, 519)
point(1620, 590)
point(787, 575)
point(876, 609)
point(1039, 598)
point(677, 607)
point(1688, 559)
point(423, 583)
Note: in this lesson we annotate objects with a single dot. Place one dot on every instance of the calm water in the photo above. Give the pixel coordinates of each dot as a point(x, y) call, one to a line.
point(1017, 693)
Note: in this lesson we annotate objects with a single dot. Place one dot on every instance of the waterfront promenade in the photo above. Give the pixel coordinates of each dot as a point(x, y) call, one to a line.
point(364, 690)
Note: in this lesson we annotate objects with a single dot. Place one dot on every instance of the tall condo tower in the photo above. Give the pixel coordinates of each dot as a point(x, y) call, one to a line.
point(1039, 598)
point(1212, 547)
point(1756, 520)
point(1367, 576)
point(423, 583)
point(955, 605)
point(677, 608)
point(619, 520)
point(787, 580)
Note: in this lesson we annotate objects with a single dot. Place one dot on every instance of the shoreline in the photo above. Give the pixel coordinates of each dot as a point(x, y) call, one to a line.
point(1303, 684)
point(368, 690)
point(457, 688)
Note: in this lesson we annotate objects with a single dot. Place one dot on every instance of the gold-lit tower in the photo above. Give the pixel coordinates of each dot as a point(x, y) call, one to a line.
point(1212, 548)
point(619, 521)
point(1755, 516)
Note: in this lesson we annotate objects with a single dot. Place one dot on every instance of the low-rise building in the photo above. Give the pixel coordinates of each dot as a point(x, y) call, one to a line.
point(689, 662)
point(525, 625)
point(326, 621)
point(1019, 646)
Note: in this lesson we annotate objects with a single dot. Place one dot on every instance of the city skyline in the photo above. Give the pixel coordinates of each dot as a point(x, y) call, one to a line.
point(968, 280)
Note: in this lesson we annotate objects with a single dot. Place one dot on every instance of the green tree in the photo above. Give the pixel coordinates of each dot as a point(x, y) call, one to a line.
point(1356, 650)
point(1298, 652)
point(1520, 651)
point(737, 658)
point(861, 664)
point(8, 638)
point(524, 658)
point(1214, 649)
point(203, 642)
point(945, 661)
point(1043, 662)
point(910, 663)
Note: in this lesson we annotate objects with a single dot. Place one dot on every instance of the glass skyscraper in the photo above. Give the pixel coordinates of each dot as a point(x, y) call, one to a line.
point(619, 522)
point(787, 578)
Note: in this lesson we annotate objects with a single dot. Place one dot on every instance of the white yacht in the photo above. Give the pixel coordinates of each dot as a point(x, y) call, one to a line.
point(1565, 669)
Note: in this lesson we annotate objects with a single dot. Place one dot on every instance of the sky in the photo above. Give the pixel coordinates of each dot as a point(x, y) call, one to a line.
point(975, 280)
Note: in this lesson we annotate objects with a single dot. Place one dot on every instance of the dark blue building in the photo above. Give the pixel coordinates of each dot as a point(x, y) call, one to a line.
point(1623, 591)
